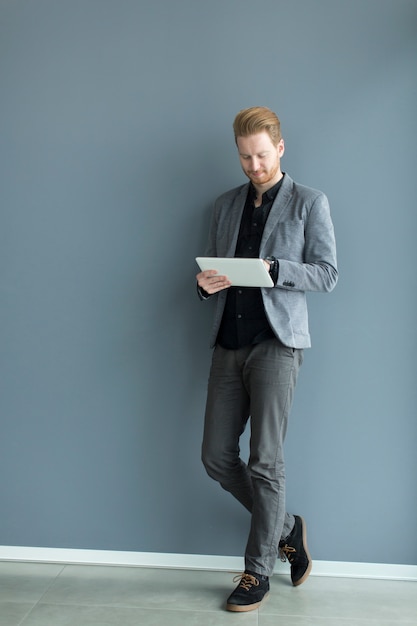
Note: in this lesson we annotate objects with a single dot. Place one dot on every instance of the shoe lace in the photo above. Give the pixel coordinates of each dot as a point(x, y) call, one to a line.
point(287, 552)
point(246, 581)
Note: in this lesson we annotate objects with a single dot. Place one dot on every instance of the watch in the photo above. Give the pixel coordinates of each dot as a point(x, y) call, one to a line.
point(272, 261)
point(273, 268)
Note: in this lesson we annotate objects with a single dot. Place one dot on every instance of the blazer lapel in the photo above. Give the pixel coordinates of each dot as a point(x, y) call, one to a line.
point(278, 207)
point(235, 218)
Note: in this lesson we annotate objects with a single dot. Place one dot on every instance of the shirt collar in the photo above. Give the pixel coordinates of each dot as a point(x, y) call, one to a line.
point(270, 194)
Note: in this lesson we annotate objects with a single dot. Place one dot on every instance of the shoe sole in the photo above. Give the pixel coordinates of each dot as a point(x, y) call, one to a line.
point(244, 608)
point(310, 563)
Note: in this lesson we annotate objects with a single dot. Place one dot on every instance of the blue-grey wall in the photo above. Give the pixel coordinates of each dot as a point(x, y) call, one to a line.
point(115, 139)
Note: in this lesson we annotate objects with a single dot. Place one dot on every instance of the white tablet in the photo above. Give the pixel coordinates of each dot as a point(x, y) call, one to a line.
point(241, 272)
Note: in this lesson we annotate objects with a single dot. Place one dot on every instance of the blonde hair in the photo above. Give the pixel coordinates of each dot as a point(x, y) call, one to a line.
point(257, 120)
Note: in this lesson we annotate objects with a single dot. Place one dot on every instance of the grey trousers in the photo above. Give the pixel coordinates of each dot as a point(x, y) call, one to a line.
point(255, 382)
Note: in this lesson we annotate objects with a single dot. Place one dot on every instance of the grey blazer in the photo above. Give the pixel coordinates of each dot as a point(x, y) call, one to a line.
point(299, 233)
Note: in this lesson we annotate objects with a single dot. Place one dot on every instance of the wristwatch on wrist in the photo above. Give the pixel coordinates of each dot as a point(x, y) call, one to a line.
point(272, 261)
point(273, 268)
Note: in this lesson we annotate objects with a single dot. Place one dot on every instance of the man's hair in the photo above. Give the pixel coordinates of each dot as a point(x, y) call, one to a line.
point(257, 120)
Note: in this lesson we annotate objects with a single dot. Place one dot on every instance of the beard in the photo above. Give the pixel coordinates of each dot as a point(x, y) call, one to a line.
point(264, 176)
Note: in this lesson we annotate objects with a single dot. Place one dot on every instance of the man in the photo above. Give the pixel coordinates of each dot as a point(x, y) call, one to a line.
point(258, 337)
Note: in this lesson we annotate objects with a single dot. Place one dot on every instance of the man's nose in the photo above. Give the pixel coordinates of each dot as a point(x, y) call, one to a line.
point(255, 164)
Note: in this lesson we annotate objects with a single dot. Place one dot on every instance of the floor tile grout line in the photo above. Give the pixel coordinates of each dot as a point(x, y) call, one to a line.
point(39, 600)
point(340, 620)
point(22, 621)
point(327, 618)
point(99, 605)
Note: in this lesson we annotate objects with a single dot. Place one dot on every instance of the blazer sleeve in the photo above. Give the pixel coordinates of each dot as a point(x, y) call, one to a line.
point(317, 271)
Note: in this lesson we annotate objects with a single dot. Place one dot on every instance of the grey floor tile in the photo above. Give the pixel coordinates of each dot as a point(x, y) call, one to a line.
point(347, 599)
point(12, 613)
point(138, 587)
point(285, 620)
point(64, 615)
point(26, 582)
point(55, 595)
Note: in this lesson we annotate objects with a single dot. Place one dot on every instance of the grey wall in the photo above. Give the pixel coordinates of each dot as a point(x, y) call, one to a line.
point(115, 139)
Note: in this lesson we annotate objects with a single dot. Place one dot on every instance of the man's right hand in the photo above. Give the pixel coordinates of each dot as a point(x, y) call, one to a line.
point(212, 282)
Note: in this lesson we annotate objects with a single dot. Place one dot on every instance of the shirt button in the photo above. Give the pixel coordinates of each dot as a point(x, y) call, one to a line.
point(255, 223)
point(239, 291)
point(239, 316)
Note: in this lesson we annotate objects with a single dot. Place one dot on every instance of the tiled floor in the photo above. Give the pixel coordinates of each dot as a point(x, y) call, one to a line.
point(78, 595)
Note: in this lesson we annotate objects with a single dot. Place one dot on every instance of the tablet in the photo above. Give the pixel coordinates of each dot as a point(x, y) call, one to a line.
point(241, 272)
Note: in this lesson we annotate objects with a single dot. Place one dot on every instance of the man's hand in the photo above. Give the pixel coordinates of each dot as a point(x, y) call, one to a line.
point(212, 282)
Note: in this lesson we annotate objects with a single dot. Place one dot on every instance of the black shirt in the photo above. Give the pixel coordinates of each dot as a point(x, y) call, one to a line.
point(244, 321)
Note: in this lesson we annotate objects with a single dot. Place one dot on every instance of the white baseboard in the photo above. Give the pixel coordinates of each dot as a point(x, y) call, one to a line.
point(336, 569)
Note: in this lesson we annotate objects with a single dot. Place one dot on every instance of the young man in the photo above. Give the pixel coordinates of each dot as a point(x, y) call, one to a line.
point(258, 337)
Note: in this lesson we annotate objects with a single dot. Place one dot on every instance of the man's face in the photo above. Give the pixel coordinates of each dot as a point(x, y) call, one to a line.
point(260, 159)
